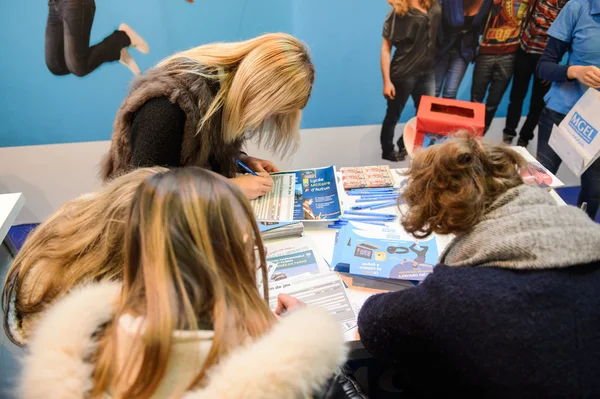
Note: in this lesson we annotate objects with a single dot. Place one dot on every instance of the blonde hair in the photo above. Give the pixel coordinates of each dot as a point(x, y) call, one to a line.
point(401, 7)
point(265, 83)
point(452, 184)
point(190, 257)
point(80, 242)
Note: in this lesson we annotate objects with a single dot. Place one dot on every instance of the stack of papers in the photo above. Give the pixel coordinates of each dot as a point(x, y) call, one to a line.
point(271, 231)
point(302, 273)
point(367, 177)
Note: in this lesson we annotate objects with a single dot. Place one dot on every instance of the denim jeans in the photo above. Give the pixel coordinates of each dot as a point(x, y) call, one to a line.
point(449, 72)
point(590, 180)
point(413, 86)
point(525, 65)
point(68, 39)
point(493, 71)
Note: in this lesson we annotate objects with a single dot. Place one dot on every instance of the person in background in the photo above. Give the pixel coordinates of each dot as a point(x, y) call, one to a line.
point(532, 44)
point(198, 107)
point(458, 38)
point(79, 243)
point(512, 310)
point(189, 318)
point(67, 45)
point(494, 65)
point(576, 31)
point(411, 28)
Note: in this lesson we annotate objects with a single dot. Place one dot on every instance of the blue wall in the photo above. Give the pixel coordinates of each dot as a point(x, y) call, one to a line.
point(40, 108)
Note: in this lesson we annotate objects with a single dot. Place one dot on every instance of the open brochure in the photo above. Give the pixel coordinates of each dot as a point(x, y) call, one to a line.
point(302, 273)
point(385, 252)
point(307, 194)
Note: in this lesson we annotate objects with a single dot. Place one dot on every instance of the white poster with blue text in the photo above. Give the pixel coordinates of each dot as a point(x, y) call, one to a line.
point(576, 139)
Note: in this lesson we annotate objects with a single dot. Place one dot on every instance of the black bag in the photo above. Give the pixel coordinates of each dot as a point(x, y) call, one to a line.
point(342, 386)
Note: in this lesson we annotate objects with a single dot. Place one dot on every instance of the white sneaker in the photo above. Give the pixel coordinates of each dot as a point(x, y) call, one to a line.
point(129, 62)
point(136, 40)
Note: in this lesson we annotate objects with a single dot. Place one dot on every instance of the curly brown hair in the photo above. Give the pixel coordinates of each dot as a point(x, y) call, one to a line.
point(452, 184)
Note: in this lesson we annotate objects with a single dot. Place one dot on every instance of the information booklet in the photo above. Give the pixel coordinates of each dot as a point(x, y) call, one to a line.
point(302, 273)
point(384, 252)
point(307, 194)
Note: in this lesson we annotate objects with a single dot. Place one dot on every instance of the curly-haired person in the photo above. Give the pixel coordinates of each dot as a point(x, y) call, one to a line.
point(512, 310)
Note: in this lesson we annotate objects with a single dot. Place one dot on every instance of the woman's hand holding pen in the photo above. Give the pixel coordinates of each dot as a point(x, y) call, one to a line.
point(254, 186)
point(259, 165)
point(286, 303)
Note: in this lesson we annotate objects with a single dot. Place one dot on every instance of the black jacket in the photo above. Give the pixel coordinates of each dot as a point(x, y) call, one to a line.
point(492, 332)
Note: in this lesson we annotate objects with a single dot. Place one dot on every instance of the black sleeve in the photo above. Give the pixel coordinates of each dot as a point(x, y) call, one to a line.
point(390, 326)
point(157, 134)
point(387, 26)
point(548, 67)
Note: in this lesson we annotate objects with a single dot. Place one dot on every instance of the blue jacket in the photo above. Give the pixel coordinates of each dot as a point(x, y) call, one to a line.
point(452, 28)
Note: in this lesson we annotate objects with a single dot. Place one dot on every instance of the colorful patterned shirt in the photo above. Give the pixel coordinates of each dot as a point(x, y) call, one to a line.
point(503, 29)
point(535, 33)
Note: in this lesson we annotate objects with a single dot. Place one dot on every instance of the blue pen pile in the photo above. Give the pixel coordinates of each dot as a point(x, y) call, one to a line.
point(370, 199)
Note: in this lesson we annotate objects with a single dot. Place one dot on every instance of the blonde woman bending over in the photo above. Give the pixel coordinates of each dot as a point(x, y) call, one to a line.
point(80, 243)
point(197, 107)
point(189, 320)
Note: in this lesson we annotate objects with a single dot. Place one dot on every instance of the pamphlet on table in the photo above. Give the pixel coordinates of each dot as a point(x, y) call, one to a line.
point(535, 174)
point(303, 273)
point(383, 251)
point(307, 194)
point(367, 177)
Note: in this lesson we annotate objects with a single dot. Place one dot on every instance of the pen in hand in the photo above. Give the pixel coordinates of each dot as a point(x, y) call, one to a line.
point(246, 168)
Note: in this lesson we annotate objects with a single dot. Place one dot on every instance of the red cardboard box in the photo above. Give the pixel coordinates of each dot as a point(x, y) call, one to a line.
point(445, 116)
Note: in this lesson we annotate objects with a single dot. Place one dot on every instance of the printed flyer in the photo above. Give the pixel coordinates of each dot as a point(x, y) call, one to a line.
point(316, 194)
point(384, 252)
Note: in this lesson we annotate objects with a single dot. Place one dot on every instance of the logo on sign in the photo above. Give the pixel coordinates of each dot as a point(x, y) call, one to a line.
point(586, 131)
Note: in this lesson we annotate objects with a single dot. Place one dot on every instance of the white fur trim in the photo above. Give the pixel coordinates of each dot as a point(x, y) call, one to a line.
point(55, 367)
point(293, 360)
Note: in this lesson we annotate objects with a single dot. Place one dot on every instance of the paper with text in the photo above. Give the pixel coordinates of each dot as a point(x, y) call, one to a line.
point(278, 205)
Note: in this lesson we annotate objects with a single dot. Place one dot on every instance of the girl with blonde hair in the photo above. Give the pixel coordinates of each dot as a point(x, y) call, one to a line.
point(411, 27)
point(197, 108)
point(512, 310)
point(79, 243)
point(189, 319)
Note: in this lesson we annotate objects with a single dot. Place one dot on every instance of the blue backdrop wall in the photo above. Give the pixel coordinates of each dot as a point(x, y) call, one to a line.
point(40, 108)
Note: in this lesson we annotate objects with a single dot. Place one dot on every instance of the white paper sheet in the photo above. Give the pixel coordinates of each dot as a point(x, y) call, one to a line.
point(278, 205)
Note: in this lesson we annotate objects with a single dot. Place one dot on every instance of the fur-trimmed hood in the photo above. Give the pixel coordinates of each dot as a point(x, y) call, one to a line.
point(291, 361)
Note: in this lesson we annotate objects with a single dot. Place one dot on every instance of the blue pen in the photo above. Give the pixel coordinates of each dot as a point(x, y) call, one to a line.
point(361, 207)
point(384, 205)
point(358, 215)
point(371, 191)
point(369, 214)
point(391, 196)
point(247, 169)
point(368, 221)
point(380, 199)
